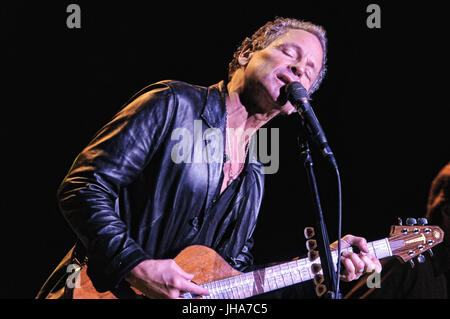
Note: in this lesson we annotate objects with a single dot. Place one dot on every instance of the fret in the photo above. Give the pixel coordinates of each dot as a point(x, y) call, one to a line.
point(234, 292)
point(371, 248)
point(265, 284)
point(213, 287)
point(284, 267)
point(291, 267)
point(305, 274)
point(243, 293)
point(233, 288)
point(288, 279)
point(239, 293)
point(246, 291)
point(272, 284)
point(214, 292)
point(283, 282)
point(224, 289)
point(291, 278)
point(275, 270)
point(310, 273)
point(283, 274)
point(302, 262)
point(377, 249)
point(296, 276)
point(230, 293)
point(220, 288)
point(273, 277)
point(278, 281)
point(240, 290)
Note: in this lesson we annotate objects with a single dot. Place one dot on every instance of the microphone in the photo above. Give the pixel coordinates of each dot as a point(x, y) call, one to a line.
point(297, 95)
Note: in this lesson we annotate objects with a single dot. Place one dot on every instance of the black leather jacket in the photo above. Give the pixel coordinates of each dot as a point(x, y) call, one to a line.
point(127, 200)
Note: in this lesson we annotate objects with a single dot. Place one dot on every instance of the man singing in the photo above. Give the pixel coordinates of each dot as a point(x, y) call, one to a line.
point(133, 207)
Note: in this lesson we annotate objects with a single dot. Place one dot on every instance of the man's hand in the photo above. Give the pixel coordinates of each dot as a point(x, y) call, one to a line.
point(355, 265)
point(163, 278)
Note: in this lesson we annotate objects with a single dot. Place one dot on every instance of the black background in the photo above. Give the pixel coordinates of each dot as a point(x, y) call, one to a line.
point(382, 106)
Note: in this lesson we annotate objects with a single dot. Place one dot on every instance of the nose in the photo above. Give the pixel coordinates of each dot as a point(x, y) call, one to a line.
point(298, 69)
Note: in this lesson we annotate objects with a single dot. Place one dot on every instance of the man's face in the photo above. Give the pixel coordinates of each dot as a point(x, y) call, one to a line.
point(295, 56)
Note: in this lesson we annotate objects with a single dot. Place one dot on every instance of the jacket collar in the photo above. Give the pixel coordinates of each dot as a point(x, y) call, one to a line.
point(214, 112)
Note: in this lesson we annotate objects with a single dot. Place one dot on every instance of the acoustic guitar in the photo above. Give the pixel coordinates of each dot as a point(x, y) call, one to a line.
point(223, 282)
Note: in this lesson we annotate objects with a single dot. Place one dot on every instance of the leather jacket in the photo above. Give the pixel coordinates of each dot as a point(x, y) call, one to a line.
point(127, 200)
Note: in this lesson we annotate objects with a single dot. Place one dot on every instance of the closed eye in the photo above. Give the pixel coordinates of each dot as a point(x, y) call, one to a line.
point(289, 52)
point(308, 74)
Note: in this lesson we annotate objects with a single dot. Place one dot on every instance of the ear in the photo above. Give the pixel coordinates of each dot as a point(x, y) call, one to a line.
point(245, 57)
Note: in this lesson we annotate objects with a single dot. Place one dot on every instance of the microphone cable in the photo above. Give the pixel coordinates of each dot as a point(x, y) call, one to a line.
point(338, 262)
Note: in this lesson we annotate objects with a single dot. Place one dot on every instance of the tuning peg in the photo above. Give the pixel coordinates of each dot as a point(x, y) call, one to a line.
point(312, 255)
point(411, 262)
point(316, 268)
point(311, 244)
point(421, 259)
point(422, 221)
point(318, 279)
point(411, 221)
point(309, 232)
point(321, 289)
point(399, 221)
point(430, 252)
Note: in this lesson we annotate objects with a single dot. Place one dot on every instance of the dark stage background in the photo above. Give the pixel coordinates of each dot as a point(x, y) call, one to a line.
point(379, 105)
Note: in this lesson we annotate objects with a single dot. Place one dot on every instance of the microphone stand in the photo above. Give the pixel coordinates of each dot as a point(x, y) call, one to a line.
point(323, 242)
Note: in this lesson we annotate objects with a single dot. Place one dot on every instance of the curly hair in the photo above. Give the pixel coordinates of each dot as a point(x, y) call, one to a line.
point(271, 31)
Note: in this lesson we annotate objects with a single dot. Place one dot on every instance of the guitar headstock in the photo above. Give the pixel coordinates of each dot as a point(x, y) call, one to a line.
point(411, 240)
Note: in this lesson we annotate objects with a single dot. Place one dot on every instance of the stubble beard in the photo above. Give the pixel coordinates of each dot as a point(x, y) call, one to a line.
point(258, 100)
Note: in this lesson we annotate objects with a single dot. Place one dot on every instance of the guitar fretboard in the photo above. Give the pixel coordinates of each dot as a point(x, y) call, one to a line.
point(278, 276)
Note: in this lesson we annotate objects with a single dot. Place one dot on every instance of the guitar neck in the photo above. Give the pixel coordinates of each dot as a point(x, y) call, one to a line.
point(279, 276)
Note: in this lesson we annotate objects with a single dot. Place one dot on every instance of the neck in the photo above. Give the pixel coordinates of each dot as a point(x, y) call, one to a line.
point(253, 283)
point(241, 114)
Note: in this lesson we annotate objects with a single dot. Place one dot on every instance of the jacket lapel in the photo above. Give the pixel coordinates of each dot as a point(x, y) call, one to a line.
point(214, 115)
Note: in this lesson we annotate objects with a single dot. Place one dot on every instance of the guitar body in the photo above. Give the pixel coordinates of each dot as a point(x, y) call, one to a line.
point(203, 262)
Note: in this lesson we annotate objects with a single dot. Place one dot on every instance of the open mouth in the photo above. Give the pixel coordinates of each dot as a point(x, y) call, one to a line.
point(284, 79)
